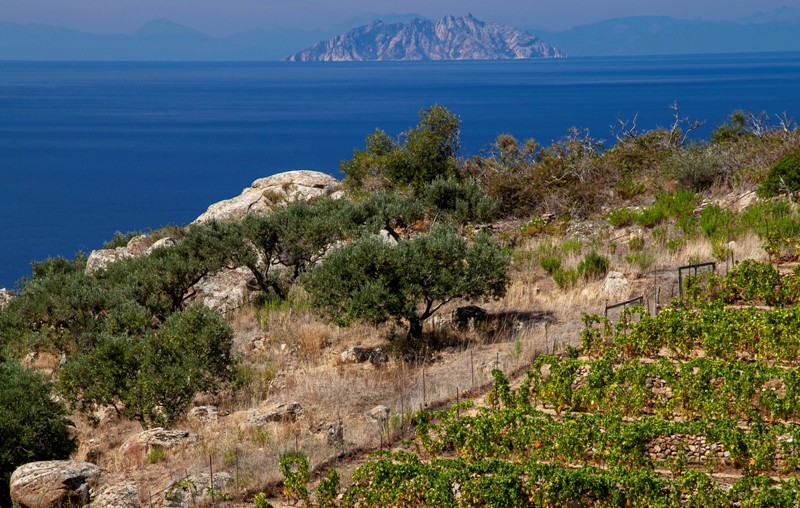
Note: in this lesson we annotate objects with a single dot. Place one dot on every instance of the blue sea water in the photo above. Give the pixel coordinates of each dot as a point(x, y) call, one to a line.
point(87, 149)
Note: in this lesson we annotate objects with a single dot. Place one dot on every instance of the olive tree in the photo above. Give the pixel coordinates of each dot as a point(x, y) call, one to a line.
point(374, 280)
point(420, 155)
point(33, 426)
point(152, 378)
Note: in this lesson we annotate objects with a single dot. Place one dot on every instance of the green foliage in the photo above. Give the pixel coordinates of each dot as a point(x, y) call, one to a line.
point(593, 266)
point(696, 168)
point(643, 260)
point(34, 426)
point(373, 280)
point(154, 377)
point(295, 237)
point(783, 177)
point(294, 468)
point(620, 217)
point(328, 490)
point(423, 154)
point(121, 239)
point(391, 211)
point(260, 501)
point(458, 202)
point(566, 277)
point(666, 206)
point(731, 130)
point(716, 222)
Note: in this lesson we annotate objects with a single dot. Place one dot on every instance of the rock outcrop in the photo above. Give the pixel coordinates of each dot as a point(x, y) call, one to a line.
point(275, 413)
point(137, 247)
point(144, 442)
point(450, 38)
point(615, 284)
point(225, 290)
point(196, 490)
point(266, 193)
point(125, 495)
point(53, 484)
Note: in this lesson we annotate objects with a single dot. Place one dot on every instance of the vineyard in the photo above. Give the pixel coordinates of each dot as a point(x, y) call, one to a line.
point(696, 406)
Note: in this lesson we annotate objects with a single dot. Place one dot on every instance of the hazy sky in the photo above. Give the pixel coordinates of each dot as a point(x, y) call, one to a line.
point(223, 17)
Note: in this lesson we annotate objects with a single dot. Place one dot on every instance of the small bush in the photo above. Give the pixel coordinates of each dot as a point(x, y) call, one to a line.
point(294, 467)
point(667, 205)
point(550, 263)
point(636, 243)
point(783, 177)
point(620, 217)
point(696, 168)
point(675, 244)
point(33, 426)
point(566, 278)
point(593, 266)
point(328, 490)
point(641, 260)
point(716, 222)
point(121, 239)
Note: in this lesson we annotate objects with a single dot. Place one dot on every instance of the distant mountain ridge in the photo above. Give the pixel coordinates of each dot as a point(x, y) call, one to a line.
point(164, 40)
point(778, 30)
point(450, 38)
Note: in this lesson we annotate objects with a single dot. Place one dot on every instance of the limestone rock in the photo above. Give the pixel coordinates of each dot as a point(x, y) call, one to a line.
point(54, 483)
point(101, 259)
point(125, 495)
point(274, 413)
point(204, 414)
point(376, 355)
point(615, 284)
point(196, 490)
point(264, 194)
point(5, 297)
point(225, 290)
point(379, 415)
point(138, 245)
point(143, 442)
point(161, 244)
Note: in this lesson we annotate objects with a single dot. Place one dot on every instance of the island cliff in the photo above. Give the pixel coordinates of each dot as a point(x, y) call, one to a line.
point(450, 38)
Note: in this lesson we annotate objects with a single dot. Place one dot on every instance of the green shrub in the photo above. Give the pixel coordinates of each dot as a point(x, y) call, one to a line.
point(593, 266)
point(121, 239)
point(294, 468)
point(566, 278)
point(620, 217)
point(675, 244)
point(716, 222)
point(328, 489)
point(783, 177)
point(697, 168)
point(642, 260)
point(550, 263)
point(372, 280)
point(636, 243)
point(666, 206)
point(154, 377)
point(33, 426)
point(260, 501)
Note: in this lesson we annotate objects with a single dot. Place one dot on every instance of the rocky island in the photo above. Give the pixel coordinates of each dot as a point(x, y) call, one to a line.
point(450, 38)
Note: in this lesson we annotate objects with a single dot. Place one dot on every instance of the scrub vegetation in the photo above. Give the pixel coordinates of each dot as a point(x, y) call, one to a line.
point(419, 238)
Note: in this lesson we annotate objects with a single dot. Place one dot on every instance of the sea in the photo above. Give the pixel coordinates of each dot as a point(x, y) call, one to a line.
point(88, 149)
